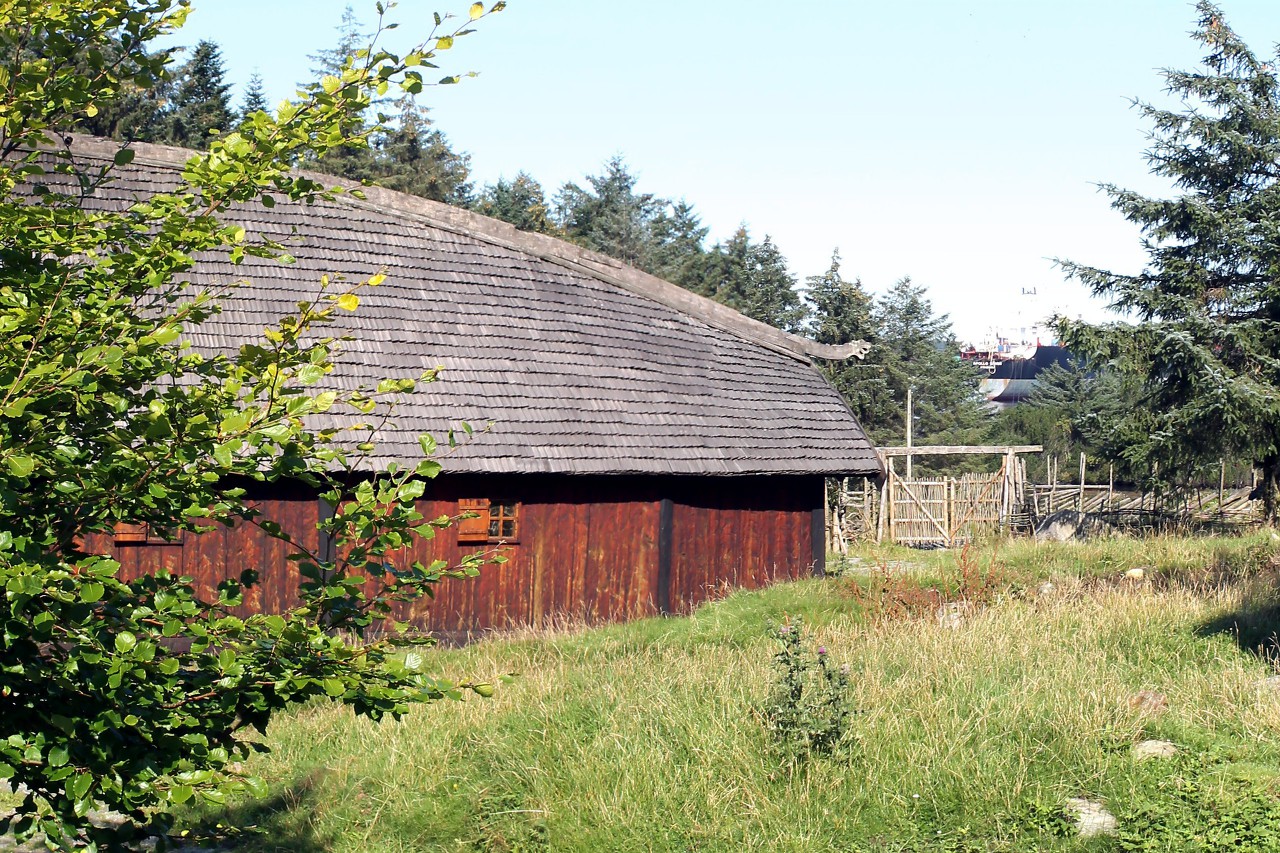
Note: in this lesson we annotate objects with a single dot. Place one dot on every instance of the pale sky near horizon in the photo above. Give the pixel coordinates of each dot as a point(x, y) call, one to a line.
point(959, 143)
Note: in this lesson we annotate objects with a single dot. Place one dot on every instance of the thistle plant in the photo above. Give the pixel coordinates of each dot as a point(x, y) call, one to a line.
point(808, 711)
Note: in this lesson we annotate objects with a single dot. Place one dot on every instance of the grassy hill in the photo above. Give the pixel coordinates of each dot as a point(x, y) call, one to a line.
point(968, 733)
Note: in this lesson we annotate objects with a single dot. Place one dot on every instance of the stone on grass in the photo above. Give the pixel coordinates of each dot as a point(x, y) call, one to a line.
point(1091, 817)
point(1136, 574)
point(1067, 525)
point(1143, 750)
point(952, 616)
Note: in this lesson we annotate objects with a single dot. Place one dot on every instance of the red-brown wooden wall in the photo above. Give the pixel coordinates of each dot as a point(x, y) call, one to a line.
point(589, 548)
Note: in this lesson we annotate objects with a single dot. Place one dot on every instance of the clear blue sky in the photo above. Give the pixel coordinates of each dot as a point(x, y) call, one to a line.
point(955, 142)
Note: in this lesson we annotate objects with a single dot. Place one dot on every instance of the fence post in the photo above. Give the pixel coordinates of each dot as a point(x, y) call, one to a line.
point(1081, 499)
point(1053, 486)
point(951, 512)
point(1222, 485)
point(883, 521)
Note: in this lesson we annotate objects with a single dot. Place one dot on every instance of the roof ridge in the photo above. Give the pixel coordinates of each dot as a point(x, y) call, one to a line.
point(561, 252)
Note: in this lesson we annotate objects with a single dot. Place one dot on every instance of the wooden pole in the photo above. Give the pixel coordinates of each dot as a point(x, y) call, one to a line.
point(828, 516)
point(882, 521)
point(1053, 484)
point(951, 512)
point(909, 433)
point(1222, 485)
point(1081, 500)
point(866, 506)
point(1111, 486)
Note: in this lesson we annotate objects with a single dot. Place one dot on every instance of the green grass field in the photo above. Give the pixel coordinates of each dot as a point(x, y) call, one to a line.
point(650, 735)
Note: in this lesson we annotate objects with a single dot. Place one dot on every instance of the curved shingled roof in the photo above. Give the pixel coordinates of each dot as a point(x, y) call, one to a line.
point(575, 363)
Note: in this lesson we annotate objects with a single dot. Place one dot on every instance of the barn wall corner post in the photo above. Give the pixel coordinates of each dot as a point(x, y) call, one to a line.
point(819, 532)
point(666, 542)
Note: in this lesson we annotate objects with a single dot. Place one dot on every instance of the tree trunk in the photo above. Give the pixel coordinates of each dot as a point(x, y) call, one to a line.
point(1269, 486)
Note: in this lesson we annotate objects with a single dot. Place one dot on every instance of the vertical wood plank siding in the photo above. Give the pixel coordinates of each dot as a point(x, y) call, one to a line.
point(589, 548)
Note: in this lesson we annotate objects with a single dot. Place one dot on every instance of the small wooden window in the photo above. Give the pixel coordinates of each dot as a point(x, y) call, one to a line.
point(502, 522)
point(130, 534)
point(143, 534)
point(494, 521)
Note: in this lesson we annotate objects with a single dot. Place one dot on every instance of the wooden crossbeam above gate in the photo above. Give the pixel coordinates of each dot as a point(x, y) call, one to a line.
point(960, 449)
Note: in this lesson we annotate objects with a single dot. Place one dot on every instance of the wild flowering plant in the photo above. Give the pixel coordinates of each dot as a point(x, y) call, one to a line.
point(808, 712)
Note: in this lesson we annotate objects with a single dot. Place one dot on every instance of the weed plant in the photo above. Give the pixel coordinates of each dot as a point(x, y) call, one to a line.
point(808, 710)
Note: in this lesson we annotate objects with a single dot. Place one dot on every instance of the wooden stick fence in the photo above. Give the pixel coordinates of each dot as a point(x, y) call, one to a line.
point(942, 511)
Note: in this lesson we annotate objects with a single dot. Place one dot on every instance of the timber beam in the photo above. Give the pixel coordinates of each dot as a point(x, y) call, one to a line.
point(960, 449)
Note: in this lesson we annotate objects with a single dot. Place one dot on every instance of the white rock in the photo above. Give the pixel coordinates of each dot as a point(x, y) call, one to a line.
point(1092, 818)
point(1153, 749)
point(1136, 574)
point(952, 616)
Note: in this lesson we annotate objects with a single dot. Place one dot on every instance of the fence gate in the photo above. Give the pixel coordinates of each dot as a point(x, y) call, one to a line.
point(944, 511)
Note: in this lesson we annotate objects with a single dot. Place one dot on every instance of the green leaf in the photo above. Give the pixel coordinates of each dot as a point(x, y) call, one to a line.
point(123, 157)
point(58, 756)
point(20, 466)
point(125, 642)
point(91, 592)
point(78, 787)
point(477, 10)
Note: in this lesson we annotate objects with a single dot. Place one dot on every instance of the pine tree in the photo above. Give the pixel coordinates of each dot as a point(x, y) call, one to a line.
point(610, 217)
point(413, 157)
point(841, 312)
point(917, 349)
point(753, 278)
point(1206, 343)
point(520, 201)
point(728, 277)
point(201, 101)
point(354, 161)
point(677, 252)
point(772, 296)
point(350, 39)
point(255, 97)
point(134, 112)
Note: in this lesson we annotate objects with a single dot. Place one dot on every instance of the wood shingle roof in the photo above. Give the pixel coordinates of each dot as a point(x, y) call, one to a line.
point(569, 361)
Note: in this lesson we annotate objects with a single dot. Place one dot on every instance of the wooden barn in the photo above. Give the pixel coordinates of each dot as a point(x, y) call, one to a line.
point(640, 448)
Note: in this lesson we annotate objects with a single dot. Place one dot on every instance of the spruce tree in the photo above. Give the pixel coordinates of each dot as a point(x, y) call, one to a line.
point(841, 312)
point(917, 349)
point(350, 39)
point(609, 217)
point(255, 97)
point(520, 201)
point(1202, 327)
point(132, 109)
point(354, 160)
point(201, 99)
point(677, 252)
point(772, 297)
point(413, 157)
